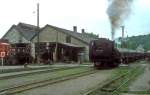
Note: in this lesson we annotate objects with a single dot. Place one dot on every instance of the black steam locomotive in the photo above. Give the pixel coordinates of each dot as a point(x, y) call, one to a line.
point(103, 53)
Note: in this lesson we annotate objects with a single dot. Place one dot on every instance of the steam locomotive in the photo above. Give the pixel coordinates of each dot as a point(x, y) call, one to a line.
point(103, 53)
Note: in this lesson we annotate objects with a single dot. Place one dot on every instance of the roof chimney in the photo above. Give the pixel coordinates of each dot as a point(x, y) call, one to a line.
point(82, 30)
point(75, 28)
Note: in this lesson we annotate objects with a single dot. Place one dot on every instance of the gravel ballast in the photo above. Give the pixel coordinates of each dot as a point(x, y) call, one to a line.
point(76, 86)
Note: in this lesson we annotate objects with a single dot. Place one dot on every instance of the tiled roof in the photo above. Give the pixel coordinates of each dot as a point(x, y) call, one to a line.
point(28, 31)
point(81, 36)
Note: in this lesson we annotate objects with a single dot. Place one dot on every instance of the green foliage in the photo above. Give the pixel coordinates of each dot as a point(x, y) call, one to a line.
point(134, 41)
point(91, 35)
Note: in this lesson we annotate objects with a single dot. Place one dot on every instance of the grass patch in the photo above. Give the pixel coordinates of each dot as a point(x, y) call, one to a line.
point(45, 76)
point(125, 81)
point(122, 82)
point(137, 72)
point(22, 69)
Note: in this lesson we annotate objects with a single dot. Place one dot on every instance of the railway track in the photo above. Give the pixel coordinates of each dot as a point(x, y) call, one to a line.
point(108, 88)
point(32, 72)
point(28, 86)
point(3, 71)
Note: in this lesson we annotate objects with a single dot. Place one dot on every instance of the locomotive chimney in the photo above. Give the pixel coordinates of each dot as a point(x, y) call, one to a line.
point(75, 28)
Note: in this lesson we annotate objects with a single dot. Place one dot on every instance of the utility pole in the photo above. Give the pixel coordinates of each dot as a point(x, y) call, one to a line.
point(122, 40)
point(56, 47)
point(38, 30)
point(112, 35)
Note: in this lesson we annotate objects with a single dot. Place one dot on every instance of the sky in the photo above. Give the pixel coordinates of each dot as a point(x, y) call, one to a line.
point(90, 15)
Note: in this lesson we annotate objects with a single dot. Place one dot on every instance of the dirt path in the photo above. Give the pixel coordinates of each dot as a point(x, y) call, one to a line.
point(72, 87)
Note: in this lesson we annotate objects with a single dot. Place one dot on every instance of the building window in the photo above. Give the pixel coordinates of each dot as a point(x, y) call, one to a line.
point(68, 39)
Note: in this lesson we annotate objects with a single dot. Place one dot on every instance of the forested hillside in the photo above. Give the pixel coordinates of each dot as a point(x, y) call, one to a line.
point(136, 41)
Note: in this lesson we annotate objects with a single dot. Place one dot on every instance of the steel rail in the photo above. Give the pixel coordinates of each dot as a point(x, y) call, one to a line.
point(25, 87)
point(103, 86)
point(116, 91)
point(34, 72)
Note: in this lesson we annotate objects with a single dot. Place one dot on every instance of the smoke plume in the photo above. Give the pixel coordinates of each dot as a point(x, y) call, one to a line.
point(118, 11)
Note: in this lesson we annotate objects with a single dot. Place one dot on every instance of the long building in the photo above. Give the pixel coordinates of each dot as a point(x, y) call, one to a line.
point(65, 45)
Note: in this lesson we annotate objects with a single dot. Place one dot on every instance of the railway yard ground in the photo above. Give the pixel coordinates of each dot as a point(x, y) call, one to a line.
point(75, 79)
